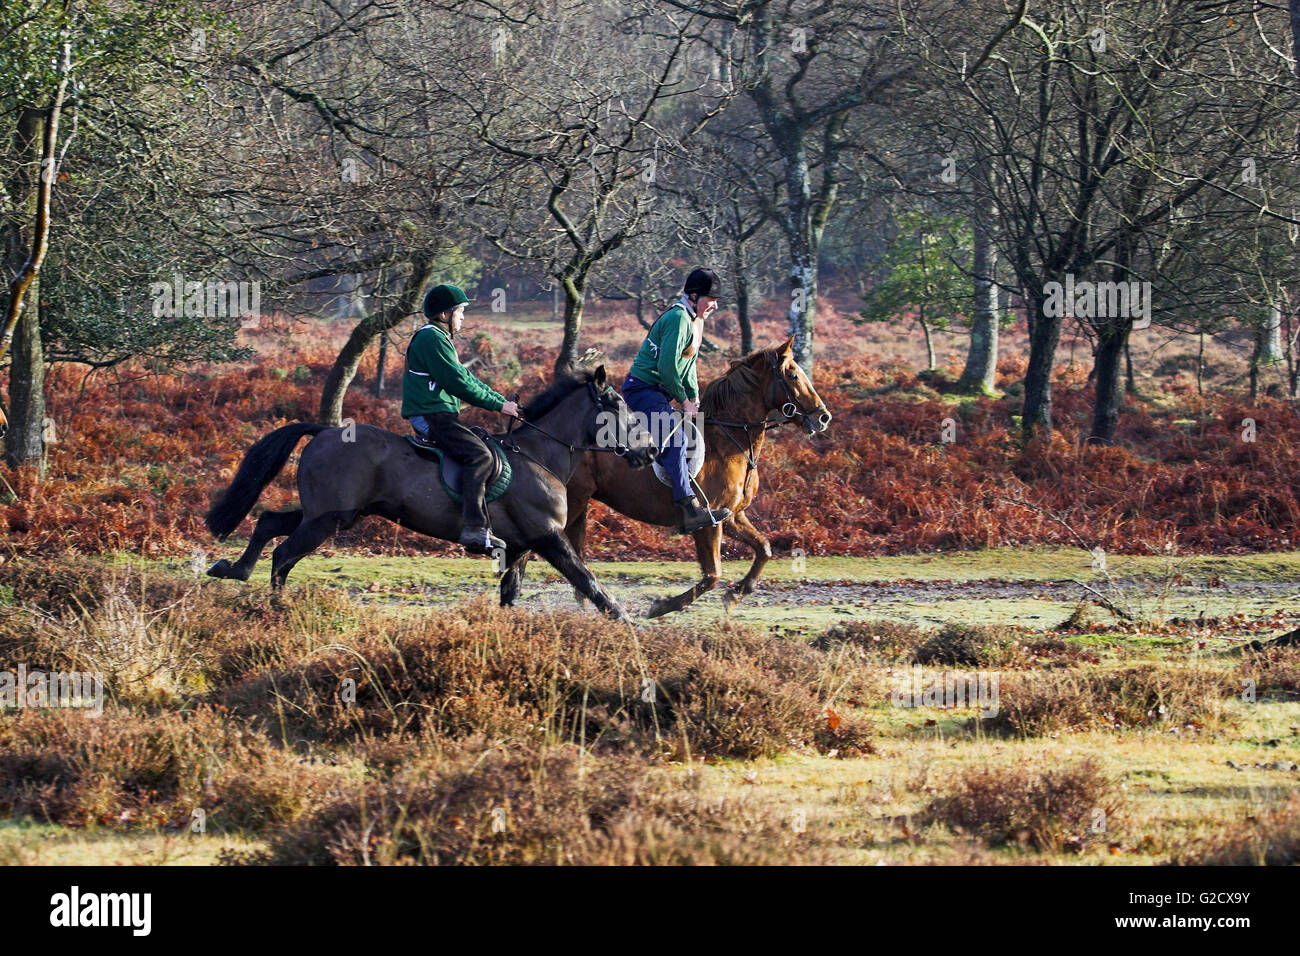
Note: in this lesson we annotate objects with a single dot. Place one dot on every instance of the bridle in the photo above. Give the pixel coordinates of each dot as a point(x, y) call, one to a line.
point(619, 448)
point(791, 409)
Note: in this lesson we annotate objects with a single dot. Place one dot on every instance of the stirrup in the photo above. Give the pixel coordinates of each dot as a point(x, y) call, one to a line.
point(480, 540)
point(714, 516)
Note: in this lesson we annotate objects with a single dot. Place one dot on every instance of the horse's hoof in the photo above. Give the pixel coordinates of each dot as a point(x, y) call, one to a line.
point(615, 612)
point(661, 607)
point(220, 570)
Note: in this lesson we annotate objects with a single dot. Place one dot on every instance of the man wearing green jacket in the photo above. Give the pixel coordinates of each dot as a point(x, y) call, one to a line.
point(664, 371)
point(433, 387)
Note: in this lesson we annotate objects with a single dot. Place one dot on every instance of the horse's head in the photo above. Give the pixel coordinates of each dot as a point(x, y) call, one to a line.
point(607, 424)
point(614, 427)
point(791, 392)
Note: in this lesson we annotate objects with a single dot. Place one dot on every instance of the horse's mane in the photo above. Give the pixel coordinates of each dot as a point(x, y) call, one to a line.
point(565, 383)
point(741, 379)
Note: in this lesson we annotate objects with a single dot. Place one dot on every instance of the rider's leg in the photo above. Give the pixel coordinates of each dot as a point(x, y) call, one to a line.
point(476, 468)
point(420, 425)
point(655, 405)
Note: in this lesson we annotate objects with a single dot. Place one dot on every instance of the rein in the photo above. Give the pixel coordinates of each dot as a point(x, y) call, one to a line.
point(790, 409)
point(619, 450)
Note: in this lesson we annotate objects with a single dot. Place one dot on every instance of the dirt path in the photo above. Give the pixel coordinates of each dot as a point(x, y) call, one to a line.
point(804, 605)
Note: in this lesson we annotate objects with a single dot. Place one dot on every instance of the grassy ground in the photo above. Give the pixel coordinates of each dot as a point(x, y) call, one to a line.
point(1216, 767)
point(1030, 587)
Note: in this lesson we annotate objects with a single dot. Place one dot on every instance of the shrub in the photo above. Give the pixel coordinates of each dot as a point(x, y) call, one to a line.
point(480, 669)
point(1274, 670)
point(1269, 836)
point(482, 804)
point(886, 640)
point(1049, 810)
point(123, 769)
point(960, 645)
point(1041, 702)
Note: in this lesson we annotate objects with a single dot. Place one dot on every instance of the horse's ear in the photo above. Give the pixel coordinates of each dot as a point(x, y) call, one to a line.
point(600, 375)
point(787, 346)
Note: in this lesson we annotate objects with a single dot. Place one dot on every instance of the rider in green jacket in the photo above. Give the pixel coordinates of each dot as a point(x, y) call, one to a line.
point(664, 371)
point(433, 387)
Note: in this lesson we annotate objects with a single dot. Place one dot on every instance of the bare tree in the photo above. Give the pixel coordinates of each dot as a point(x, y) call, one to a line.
point(579, 110)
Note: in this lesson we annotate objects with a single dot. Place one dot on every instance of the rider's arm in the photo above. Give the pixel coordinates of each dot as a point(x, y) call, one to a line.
point(671, 346)
point(456, 379)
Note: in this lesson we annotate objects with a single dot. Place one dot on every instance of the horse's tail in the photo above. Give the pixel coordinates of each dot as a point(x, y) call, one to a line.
point(261, 463)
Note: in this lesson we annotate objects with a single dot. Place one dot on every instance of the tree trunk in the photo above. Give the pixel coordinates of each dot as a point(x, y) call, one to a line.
point(25, 438)
point(1112, 340)
point(1270, 352)
point(1292, 366)
point(1254, 365)
point(1043, 339)
point(803, 257)
point(1295, 46)
point(929, 342)
point(43, 149)
point(1200, 363)
point(381, 366)
point(575, 294)
point(1130, 383)
point(981, 371)
point(741, 272)
point(349, 357)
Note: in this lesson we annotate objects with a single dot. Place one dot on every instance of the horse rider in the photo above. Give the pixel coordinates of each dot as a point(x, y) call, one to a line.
point(433, 387)
point(664, 371)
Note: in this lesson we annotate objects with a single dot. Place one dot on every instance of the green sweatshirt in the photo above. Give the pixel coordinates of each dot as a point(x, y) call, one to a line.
point(660, 361)
point(435, 381)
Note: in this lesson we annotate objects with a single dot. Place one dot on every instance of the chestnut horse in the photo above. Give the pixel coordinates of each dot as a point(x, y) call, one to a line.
point(736, 410)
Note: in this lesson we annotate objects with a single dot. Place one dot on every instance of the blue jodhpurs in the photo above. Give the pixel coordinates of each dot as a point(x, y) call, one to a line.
point(657, 408)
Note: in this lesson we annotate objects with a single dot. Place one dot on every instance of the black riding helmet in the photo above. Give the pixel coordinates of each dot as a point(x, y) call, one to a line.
point(703, 282)
point(443, 298)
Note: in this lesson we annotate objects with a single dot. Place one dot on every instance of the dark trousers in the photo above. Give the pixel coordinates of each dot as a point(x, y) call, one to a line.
point(475, 459)
point(655, 404)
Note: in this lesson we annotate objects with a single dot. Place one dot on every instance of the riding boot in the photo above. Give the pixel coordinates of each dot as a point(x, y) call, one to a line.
point(694, 517)
point(476, 535)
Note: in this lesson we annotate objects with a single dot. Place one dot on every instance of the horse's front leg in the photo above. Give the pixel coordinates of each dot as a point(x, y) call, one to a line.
point(556, 549)
point(708, 549)
point(739, 527)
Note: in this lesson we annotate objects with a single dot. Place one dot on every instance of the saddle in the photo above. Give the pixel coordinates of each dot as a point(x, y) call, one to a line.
point(450, 471)
point(694, 456)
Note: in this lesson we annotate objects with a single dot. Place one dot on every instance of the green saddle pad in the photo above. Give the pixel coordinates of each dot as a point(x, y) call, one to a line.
point(449, 470)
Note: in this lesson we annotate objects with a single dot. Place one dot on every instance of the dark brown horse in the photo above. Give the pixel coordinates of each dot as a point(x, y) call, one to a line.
point(344, 475)
point(736, 409)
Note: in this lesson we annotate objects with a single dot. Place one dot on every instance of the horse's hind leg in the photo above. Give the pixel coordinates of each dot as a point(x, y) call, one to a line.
point(270, 524)
point(306, 538)
point(556, 549)
point(708, 548)
point(739, 527)
point(513, 577)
